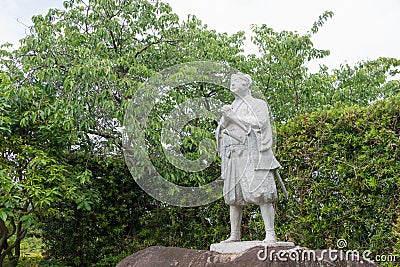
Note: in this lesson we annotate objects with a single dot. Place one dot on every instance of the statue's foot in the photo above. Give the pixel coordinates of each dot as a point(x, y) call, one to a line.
point(270, 236)
point(231, 239)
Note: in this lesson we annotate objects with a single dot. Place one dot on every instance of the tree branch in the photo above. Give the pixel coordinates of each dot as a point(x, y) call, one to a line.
point(3, 228)
point(154, 43)
point(114, 42)
point(14, 228)
point(105, 135)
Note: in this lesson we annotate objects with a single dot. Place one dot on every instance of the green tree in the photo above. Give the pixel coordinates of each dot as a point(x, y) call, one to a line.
point(33, 175)
point(84, 63)
point(366, 82)
point(280, 70)
point(362, 84)
point(95, 54)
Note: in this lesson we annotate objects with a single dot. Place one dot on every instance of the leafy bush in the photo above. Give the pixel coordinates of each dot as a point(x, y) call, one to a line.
point(342, 168)
point(82, 238)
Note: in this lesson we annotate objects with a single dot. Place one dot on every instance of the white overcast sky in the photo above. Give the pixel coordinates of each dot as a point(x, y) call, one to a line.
point(359, 30)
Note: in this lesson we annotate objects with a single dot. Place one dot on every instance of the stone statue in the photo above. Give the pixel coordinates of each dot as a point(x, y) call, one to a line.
point(244, 138)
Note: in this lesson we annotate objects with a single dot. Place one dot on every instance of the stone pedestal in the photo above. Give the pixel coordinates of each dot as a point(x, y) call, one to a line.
point(240, 247)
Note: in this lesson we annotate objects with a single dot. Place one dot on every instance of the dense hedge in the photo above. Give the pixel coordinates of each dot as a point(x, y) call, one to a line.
point(342, 169)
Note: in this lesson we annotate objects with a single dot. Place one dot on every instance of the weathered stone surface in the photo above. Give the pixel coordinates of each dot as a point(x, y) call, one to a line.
point(170, 256)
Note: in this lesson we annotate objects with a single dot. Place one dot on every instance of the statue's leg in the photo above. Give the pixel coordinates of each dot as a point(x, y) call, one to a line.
point(235, 213)
point(268, 214)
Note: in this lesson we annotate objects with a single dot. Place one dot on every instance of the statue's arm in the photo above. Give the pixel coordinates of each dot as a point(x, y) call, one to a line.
point(259, 115)
point(259, 121)
point(265, 129)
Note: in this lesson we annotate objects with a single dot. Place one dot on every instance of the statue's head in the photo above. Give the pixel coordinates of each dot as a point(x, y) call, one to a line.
point(240, 84)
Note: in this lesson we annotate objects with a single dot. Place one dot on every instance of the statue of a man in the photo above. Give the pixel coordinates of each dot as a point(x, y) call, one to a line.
point(244, 138)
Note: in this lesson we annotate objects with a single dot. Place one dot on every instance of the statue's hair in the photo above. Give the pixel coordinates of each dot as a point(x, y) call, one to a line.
point(245, 77)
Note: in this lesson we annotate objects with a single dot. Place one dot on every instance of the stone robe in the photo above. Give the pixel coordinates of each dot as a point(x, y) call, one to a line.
point(245, 147)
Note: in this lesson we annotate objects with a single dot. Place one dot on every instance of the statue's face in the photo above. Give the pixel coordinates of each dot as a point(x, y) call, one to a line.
point(239, 86)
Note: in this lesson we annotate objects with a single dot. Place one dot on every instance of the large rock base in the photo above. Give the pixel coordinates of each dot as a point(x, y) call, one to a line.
point(256, 257)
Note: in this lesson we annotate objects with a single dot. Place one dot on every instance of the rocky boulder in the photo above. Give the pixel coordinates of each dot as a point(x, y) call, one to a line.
point(158, 256)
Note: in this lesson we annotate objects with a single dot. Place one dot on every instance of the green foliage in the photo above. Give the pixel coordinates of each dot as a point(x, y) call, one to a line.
point(366, 82)
point(195, 131)
point(342, 168)
point(33, 173)
point(95, 54)
point(31, 250)
point(195, 228)
point(290, 89)
point(79, 237)
point(396, 233)
point(281, 69)
point(64, 93)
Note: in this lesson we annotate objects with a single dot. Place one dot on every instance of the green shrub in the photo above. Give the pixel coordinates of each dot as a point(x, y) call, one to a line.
point(342, 167)
point(84, 238)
